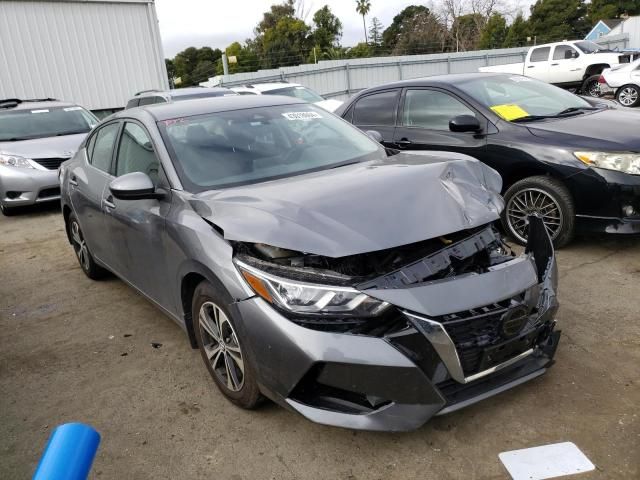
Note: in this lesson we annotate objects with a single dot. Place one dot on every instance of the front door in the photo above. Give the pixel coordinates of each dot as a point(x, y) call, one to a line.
point(565, 66)
point(137, 227)
point(423, 123)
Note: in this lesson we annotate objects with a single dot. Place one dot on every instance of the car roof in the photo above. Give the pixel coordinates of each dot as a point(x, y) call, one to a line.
point(437, 80)
point(37, 105)
point(265, 87)
point(179, 92)
point(202, 106)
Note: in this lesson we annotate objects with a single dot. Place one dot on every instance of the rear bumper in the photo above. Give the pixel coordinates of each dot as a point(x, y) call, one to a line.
point(26, 186)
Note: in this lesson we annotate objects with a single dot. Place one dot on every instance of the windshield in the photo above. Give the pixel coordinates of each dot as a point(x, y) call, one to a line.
point(302, 93)
point(253, 145)
point(44, 122)
point(590, 47)
point(514, 97)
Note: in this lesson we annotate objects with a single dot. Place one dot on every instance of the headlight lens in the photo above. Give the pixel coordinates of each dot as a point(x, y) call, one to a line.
point(626, 162)
point(308, 298)
point(14, 161)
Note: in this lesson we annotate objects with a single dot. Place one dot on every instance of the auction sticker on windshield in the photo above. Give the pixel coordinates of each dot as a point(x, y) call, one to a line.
point(510, 111)
point(301, 115)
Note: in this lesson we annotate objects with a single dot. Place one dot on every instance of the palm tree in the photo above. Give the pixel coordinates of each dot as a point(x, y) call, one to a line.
point(363, 7)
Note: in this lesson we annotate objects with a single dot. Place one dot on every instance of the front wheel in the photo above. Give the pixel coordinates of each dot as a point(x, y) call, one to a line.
point(591, 86)
point(546, 197)
point(90, 268)
point(628, 96)
point(221, 347)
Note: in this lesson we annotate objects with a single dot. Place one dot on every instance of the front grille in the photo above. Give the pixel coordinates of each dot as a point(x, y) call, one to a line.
point(49, 192)
point(50, 163)
point(473, 331)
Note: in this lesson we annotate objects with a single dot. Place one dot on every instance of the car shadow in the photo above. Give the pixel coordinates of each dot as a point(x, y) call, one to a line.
point(44, 208)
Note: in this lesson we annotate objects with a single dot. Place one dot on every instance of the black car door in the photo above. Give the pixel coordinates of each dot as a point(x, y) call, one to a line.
point(423, 123)
point(376, 111)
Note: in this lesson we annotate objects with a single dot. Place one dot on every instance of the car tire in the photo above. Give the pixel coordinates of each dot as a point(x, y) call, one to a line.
point(90, 268)
point(221, 347)
point(544, 196)
point(591, 87)
point(8, 211)
point(628, 95)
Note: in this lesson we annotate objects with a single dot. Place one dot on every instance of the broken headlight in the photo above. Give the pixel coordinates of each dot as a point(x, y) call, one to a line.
point(627, 162)
point(309, 298)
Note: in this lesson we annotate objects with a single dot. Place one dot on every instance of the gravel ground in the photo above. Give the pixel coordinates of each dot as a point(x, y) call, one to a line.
point(76, 350)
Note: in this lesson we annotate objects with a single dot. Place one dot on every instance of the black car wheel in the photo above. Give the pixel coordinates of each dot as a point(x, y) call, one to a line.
point(628, 96)
point(591, 86)
point(221, 347)
point(543, 196)
point(80, 247)
point(7, 211)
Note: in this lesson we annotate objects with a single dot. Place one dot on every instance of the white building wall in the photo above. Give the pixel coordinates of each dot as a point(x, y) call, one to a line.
point(631, 27)
point(95, 53)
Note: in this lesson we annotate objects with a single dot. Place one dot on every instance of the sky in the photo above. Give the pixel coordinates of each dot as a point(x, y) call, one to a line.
point(218, 23)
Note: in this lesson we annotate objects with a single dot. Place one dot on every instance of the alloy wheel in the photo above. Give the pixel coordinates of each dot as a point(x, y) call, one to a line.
point(628, 96)
point(533, 201)
point(80, 246)
point(221, 346)
point(593, 89)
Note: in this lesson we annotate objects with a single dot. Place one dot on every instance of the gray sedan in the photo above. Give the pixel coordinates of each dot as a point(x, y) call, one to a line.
point(36, 136)
point(357, 286)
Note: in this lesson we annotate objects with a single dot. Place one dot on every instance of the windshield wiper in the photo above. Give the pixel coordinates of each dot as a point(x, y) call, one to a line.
point(71, 133)
point(574, 110)
point(561, 114)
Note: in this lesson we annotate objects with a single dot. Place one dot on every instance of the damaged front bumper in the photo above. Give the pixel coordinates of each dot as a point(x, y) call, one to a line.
point(453, 342)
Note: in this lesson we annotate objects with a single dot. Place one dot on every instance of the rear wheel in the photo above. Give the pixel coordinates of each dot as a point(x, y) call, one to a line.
point(80, 247)
point(546, 197)
point(628, 95)
point(591, 86)
point(221, 347)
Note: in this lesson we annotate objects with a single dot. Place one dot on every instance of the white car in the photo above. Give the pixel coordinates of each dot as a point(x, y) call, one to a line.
point(625, 81)
point(574, 65)
point(290, 90)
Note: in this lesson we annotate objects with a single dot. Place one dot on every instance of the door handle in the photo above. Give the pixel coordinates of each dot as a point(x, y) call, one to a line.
point(73, 181)
point(404, 142)
point(555, 64)
point(108, 203)
point(531, 66)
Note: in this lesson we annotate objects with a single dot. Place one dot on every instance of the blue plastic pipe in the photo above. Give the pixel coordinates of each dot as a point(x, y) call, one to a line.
point(69, 453)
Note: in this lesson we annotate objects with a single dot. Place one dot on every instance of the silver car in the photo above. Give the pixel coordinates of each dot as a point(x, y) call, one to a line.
point(359, 287)
point(36, 136)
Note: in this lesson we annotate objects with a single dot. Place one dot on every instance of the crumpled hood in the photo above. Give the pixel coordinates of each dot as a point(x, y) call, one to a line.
point(613, 129)
point(49, 147)
point(360, 208)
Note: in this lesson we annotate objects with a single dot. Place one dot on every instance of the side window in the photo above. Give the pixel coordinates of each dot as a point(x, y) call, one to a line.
point(136, 154)
point(148, 100)
point(103, 147)
point(564, 52)
point(431, 109)
point(376, 109)
point(132, 103)
point(540, 54)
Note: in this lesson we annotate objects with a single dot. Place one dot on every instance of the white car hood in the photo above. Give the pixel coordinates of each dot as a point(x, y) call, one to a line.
point(49, 147)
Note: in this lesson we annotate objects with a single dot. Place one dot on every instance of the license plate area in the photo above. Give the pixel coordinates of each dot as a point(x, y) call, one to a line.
point(506, 350)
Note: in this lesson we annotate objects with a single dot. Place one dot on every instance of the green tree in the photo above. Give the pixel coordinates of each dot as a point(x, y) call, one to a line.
point(245, 56)
point(171, 69)
point(421, 33)
point(288, 43)
point(361, 50)
point(494, 33)
point(375, 33)
point(192, 64)
point(363, 7)
point(275, 14)
point(517, 33)
point(392, 33)
point(465, 32)
point(554, 20)
point(604, 9)
point(327, 29)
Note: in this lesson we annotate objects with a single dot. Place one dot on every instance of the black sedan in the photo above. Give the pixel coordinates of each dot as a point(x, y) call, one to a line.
point(574, 162)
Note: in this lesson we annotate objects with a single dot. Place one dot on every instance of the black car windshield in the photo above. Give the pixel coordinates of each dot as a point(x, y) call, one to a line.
point(590, 47)
point(514, 97)
point(253, 145)
point(302, 93)
point(44, 122)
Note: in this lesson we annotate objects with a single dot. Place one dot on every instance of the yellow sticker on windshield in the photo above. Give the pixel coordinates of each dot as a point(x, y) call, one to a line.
point(510, 111)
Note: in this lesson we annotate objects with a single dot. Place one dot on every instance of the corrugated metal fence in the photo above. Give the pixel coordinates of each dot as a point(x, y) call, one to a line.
point(341, 78)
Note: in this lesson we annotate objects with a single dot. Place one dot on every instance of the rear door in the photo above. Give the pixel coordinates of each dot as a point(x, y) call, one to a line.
point(423, 123)
point(136, 228)
point(87, 183)
point(537, 65)
point(376, 111)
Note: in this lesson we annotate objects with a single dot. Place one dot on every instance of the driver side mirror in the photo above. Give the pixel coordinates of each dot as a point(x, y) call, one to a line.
point(375, 135)
point(464, 123)
point(134, 186)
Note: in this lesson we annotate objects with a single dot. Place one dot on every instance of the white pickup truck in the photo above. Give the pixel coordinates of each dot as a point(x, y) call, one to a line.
point(576, 65)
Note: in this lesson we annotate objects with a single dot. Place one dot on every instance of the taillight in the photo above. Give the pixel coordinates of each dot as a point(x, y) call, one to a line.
point(601, 79)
